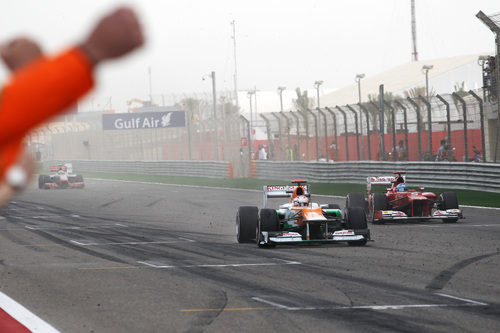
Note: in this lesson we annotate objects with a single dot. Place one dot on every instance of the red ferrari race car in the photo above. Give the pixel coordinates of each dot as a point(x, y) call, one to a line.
point(62, 177)
point(299, 220)
point(399, 203)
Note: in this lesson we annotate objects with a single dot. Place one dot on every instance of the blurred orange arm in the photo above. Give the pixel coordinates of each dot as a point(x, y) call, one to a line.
point(38, 92)
point(42, 90)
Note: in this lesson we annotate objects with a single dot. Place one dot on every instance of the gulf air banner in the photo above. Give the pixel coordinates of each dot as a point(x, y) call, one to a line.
point(143, 120)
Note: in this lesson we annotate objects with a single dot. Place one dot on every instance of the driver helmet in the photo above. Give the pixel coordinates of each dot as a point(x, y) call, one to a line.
point(301, 201)
point(401, 187)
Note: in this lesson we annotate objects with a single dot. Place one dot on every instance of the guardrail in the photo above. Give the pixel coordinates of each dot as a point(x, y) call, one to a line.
point(210, 169)
point(470, 176)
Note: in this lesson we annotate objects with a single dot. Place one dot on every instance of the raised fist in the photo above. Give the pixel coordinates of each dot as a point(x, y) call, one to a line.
point(19, 52)
point(114, 36)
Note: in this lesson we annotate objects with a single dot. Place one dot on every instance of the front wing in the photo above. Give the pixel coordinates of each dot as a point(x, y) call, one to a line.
point(396, 215)
point(289, 237)
point(69, 185)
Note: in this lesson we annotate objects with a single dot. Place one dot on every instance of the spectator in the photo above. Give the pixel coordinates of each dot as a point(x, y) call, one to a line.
point(441, 153)
point(262, 153)
point(400, 152)
point(42, 87)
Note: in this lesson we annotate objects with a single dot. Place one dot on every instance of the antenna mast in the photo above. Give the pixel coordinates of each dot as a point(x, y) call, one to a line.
point(414, 54)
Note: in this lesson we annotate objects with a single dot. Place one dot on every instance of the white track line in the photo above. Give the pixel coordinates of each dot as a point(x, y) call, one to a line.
point(24, 316)
point(74, 227)
point(462, 299)
point(121, 243)
point(468, 302)
point(220, 265)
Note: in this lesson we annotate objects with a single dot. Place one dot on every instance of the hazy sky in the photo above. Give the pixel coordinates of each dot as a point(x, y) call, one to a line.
point(279, 43)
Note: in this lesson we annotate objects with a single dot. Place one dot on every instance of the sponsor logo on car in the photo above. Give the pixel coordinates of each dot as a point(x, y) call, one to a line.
point(343, 233)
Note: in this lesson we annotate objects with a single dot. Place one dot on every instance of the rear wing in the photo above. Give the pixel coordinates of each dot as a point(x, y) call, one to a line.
point(67, 167)
point(54, 168)
point(283, 191)
point(381, 181)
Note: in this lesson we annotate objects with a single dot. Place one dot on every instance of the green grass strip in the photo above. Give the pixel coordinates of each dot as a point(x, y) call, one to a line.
point(465, 197)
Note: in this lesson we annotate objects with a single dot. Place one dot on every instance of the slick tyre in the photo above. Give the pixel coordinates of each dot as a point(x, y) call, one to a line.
point(356, 220)
point(42, 180)
point(379, 202)
point(449, 201)
point(247, 218)
point(268, 221)
point(355, 199)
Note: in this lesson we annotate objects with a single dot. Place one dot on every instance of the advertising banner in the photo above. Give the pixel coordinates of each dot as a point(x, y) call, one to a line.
point(144, 120)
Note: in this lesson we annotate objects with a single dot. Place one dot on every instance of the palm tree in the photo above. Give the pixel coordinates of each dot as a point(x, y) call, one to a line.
point(389, 97)
point(303, 102)
point(413, 93)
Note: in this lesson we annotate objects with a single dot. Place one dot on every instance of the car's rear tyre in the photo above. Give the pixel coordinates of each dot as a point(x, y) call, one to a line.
point(355, 199)
point(79, 179)
point(268, 221)
point(449, 201)
point(42, 180)
point(247, 218)
point(379, 202)
point(356, 220)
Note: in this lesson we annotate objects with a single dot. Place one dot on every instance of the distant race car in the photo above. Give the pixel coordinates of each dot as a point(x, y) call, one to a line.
point(62, 177)
point(299, 220)
point(398, 203)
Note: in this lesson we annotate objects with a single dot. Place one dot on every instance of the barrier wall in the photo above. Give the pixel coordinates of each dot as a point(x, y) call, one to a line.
point(458, 175)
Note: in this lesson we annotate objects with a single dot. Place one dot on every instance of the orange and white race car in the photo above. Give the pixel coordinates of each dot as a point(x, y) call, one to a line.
point(299, 220)
point(62, 177)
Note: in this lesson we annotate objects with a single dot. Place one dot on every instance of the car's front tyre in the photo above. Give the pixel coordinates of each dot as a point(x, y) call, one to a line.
point(247, 218)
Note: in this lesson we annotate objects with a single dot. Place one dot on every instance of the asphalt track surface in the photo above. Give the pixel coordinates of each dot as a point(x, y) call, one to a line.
point(136, 257)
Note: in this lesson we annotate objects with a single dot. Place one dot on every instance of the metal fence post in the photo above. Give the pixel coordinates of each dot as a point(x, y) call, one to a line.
point(297, 122)
point(326, 132)
point(481, 117)
point(288, 135)
point(357, 129)
point(367, 129)
point(279, 136)
point(429, 120)
point(316, 133)
point(345, 132)
point(249, 139)
point(393, 128)
point(417, 110)
point(448, 117)
point(405, 120)
point(381, 95)
point(306, 123)
point(464, 108)
point(330, 111)
point(270, 141)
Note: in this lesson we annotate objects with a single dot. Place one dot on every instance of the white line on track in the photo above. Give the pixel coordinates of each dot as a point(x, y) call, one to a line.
point(76, 227)
point(120, 243)
point(187, 239)
point(31, 321)
point(221, 265)
point(467, 302)
point(462, 299)
point(457, 225)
